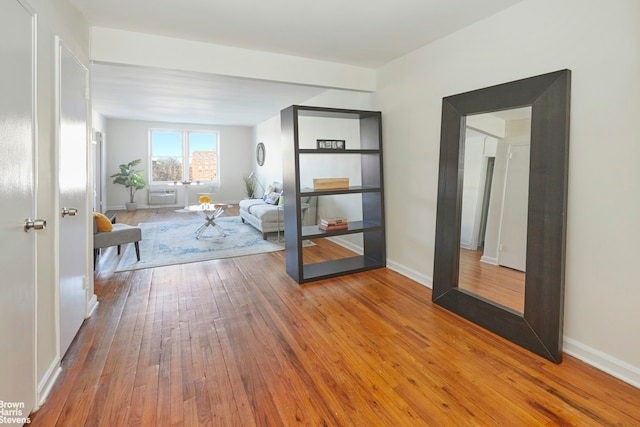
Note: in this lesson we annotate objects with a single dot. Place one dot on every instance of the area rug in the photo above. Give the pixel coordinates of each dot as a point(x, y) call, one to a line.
point(169, 243)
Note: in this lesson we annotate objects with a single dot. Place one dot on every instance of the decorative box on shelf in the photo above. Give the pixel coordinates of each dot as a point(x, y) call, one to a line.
point(330, 184)
point(331, 144)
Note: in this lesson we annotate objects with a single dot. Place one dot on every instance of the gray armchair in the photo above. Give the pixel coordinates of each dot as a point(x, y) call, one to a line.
point(120, 235)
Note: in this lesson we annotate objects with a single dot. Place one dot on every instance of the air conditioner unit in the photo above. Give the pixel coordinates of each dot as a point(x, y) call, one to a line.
point(162, 197)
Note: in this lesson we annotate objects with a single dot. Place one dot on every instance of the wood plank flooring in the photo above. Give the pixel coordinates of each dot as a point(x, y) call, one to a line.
point(236, 342)
point(493, 282)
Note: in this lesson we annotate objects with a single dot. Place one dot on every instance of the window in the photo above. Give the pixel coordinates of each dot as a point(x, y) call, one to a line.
point(182, 156)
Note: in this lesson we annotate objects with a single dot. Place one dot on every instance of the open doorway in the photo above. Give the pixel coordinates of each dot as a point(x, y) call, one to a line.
point(486, 197)
point(98, 171)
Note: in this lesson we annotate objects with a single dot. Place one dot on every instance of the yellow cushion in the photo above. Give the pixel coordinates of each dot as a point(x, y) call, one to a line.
point(102, 222)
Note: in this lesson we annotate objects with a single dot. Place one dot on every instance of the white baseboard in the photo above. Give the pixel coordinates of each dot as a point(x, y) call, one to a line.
point(423, 279)
point(346, 244)
point(146, 206)
point(489, 260)
point(48, 380)
point(602, 361)
point(92, 305)
point(412, 274)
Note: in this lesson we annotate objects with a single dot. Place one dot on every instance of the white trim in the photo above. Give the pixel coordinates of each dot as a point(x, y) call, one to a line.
point(47, 382)
point(489, 260)
point(412, 274)
point(346, 244)
point(34, 189)
point(602, 361)
point(56, 199)
point(90, 298)
point(92, 305)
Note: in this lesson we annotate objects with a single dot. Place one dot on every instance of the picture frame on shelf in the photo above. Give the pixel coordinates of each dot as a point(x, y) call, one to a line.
point(331, 144)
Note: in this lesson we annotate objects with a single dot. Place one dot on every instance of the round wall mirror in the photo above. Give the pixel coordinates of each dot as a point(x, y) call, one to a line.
point(260, 154)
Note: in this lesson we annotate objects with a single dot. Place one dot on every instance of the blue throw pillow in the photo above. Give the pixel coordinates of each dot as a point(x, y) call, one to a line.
point(272, 198)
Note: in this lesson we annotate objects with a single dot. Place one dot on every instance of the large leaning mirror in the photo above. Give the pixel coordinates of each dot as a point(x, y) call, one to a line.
point(501, 216)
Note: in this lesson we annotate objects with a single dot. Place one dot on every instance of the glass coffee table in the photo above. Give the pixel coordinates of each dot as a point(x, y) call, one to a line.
point(208, 211)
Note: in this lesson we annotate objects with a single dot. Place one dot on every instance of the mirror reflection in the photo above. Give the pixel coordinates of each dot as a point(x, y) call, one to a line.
point(493, 234)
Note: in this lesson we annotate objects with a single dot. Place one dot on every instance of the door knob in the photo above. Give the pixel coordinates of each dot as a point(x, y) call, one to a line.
point(36, 224)
point(69, 211)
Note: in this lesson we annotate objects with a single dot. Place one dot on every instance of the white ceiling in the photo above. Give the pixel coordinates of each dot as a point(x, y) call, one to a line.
point(367, 33)
point(154, 94)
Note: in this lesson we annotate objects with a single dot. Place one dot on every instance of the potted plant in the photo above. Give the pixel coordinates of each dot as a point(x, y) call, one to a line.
point(132, 181)
point(249, 184)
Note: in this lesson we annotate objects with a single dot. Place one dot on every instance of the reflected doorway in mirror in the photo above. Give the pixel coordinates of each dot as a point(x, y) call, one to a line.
point(494, 205)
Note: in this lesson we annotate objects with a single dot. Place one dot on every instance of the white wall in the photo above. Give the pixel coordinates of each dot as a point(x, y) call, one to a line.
point(129, 140)
point(600, 42)
point(268, 131)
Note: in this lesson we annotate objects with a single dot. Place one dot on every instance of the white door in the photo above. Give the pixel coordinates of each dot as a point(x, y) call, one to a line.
point(513, 228)
point(72, 194)
point(17, 257)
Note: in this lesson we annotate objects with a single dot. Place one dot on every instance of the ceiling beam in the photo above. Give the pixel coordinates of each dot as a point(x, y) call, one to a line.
point(131, 48)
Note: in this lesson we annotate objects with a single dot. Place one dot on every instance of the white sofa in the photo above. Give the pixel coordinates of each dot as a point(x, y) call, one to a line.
point(267, 218)
point(263, 216)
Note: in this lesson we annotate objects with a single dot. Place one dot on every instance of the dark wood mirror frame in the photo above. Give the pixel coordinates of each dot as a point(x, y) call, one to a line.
point(539, 328)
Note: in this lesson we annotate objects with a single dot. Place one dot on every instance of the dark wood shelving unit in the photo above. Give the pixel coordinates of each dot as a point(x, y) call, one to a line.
point(371, 226)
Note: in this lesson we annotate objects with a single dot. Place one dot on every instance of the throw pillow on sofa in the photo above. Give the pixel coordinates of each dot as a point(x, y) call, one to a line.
point(272, 198)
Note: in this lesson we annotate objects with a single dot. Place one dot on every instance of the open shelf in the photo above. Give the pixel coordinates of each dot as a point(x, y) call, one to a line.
point(361, 161)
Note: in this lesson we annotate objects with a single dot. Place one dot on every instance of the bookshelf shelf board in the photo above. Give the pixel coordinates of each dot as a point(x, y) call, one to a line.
point(313, 232)
point(353, 189)
point(327, 151)
point(324, 270)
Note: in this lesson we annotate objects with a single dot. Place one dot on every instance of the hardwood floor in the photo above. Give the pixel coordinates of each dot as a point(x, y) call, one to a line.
point(236, 342)
point(493, 282)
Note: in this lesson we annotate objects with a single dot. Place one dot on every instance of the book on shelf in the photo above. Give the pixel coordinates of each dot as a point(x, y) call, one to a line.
point(335, 220)
point(334, 227)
